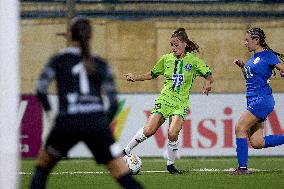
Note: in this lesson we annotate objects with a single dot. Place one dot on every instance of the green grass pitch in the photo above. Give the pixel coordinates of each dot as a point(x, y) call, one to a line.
point(211, 172)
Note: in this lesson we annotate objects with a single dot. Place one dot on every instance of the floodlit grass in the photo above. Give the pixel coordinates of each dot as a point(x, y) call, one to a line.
point(268, 172)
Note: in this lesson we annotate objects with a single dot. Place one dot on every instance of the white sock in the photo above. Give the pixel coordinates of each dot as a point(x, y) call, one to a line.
point(172, 151)
point(138, 138)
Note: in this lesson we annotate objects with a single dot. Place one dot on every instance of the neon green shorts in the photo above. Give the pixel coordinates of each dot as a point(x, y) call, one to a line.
point(167, 109)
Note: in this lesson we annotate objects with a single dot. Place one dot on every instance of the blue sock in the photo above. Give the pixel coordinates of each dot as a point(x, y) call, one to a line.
point(242, 151)
point(273, 140)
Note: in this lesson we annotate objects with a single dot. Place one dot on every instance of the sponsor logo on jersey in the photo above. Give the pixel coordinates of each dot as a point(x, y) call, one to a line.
point(188, 67)
point(256, 60)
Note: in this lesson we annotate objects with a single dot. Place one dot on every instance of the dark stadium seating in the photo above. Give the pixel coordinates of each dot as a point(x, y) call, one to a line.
point(160, 1)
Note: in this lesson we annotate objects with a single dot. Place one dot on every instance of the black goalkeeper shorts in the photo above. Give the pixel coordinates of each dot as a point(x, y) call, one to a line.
point(93, 130)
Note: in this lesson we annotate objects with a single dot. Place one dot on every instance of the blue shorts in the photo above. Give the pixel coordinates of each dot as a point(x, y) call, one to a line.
point(260, 106)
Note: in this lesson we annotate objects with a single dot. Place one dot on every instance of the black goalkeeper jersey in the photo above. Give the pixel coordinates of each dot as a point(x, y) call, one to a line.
point(78, 92)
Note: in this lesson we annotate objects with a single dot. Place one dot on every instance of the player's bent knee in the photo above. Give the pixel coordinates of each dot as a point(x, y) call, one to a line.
point(172, 136)
point(257, 142)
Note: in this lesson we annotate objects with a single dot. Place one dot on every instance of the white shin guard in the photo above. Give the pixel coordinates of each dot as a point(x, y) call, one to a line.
point(172, 151)
point(138, 138)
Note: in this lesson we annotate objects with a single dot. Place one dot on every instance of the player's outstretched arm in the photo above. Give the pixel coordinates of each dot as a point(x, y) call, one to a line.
point(207, 86)
point(131, 77)
point(280, 67)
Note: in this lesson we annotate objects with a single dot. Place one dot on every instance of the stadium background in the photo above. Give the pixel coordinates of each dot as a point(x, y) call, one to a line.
point(131, 36)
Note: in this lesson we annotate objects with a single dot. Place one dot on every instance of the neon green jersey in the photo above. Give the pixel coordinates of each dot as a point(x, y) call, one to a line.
point(179, 75)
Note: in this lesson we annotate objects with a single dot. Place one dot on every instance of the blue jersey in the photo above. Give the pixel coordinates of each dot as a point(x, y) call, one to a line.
point(257, 71)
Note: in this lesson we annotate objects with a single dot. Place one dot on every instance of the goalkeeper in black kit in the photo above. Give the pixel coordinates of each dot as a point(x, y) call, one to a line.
point(81, 80)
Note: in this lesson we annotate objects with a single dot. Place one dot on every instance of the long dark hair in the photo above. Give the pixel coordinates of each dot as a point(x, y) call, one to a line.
point(259, 33)
point(182, 36)
point(81, 31)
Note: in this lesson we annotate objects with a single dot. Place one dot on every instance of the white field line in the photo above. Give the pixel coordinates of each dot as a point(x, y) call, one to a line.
point(186, 171)
point(163, 160)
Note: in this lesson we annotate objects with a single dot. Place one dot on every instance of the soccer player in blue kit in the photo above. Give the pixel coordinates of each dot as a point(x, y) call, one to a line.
point(260, 102)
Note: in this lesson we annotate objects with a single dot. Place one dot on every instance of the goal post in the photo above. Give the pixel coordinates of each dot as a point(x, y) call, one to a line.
point(9, 95)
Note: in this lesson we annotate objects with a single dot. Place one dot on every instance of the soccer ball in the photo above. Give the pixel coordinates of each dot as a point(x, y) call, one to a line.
point(134, 163)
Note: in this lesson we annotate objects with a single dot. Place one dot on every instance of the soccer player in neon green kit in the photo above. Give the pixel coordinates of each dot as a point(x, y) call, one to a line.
point(179, 68)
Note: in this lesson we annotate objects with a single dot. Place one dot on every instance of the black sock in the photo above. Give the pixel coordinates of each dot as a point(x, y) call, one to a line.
point(127, 181)
point(39, 178)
